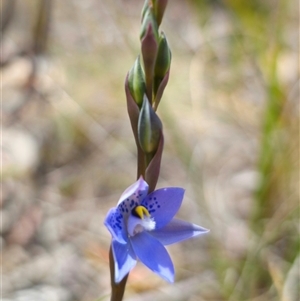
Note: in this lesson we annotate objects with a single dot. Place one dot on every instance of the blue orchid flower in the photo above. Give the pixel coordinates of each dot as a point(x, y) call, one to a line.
point(142, 224)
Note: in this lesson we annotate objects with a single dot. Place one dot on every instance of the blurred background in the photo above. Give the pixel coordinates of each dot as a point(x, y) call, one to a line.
point(231, 122)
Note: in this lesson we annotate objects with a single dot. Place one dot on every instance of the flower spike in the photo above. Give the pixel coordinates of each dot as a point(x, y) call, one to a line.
point(144, 221)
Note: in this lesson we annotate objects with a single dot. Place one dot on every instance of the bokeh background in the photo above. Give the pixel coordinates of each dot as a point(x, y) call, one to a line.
point(231, 122)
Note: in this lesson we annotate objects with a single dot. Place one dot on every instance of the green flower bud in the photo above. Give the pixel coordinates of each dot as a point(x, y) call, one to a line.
point(149, 128)
point(149, 18)
point(136, 82)
point(163, 61)
point(149, 47)
point(144, 9)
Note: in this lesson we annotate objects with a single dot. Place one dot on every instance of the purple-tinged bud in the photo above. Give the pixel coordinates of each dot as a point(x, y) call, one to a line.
point(149, 51)
point(147, 19)
point(163, 62)
point(136, 81)
point(163, 59)
point(149, 128)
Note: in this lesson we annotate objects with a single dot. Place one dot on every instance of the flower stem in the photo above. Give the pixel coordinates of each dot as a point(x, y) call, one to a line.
point(118, 289)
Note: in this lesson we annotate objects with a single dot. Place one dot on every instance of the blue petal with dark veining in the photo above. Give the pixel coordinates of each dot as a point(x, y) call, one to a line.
point(163, 204)
point(114, 222)
point(133, 196)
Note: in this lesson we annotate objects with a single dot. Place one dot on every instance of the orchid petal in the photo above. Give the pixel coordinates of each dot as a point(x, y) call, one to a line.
point(176, 231)
point(163, 204)
point(153, 254)
point(124, 258)
point(114, 222)
point(139, 186)
point(133, 196)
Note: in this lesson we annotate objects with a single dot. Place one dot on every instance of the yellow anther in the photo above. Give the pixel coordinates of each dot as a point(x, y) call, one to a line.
point(141, 211)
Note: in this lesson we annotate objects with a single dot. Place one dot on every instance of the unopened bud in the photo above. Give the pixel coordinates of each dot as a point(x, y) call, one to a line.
point(149, 46)
point(147, 19)
point(136, 81)
point(145, 8)
point(149, 128)
point(163, 61)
